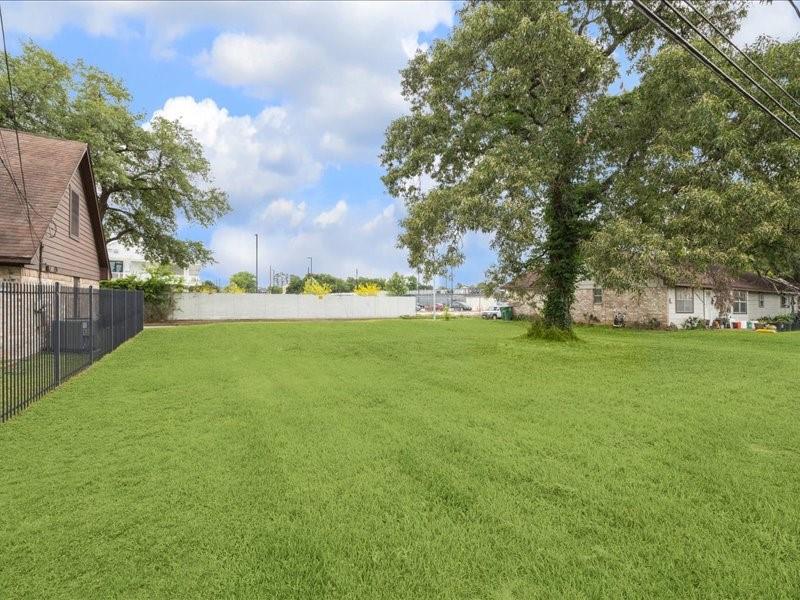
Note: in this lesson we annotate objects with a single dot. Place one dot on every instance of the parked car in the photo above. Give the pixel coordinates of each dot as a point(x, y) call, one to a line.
point(457, 306)
point(493, 312)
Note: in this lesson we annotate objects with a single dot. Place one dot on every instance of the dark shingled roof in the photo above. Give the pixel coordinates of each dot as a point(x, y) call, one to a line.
point(49, 164)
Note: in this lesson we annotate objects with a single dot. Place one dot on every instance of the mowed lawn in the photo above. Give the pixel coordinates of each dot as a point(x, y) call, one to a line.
point(410, 459)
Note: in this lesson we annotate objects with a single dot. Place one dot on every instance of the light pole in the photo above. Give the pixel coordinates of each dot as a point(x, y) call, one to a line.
point(310, 265)
point(256, 263)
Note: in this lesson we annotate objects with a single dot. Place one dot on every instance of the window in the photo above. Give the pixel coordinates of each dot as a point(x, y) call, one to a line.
point(597, 295)
point(786, 302)
point(74, 213)
point(739, 302)
point(117, 266)
point(684, 300)
point(761, 301)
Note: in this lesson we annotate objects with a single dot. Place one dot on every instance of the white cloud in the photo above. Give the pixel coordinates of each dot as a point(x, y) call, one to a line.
point(332, 216)
point(777, 20)
point(283, 212)
point(334, 65)
point(385, 216)
point(251, 157)
point(336, 250)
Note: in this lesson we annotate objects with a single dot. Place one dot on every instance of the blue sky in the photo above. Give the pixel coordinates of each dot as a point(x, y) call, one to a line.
point(290, 101)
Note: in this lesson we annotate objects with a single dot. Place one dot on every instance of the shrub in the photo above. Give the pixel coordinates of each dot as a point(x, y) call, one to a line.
point(315, 288)
point(367, 289)
point(158, 287)
point(233, 288)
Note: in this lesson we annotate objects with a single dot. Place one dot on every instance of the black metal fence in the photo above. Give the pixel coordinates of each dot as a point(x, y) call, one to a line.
point(50, 332)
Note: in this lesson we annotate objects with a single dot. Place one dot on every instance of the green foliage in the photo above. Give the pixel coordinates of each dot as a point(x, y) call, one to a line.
point(397, 285)
point(233, 288)
point(694, 323)
point(159, 288)
point(509, 117)
point(295, 285)
point(709, 182)
point(337, 285)
point(244, 280)
point(207, 287)
point(148, 178)
point(275, 289)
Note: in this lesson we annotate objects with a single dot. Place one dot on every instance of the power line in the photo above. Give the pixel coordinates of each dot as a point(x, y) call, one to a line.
point(16, 133)
point(744, 54)
point(652, 16)
point(794, 6)
point(728, 59)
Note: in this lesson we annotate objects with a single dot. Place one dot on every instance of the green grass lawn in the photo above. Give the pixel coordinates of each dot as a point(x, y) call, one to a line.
point(410, 459)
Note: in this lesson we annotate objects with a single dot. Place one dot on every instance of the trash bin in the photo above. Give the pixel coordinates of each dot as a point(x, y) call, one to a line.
point(507, 313)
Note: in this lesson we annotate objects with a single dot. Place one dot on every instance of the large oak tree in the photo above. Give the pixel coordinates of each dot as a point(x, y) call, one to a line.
point(150, 177)
point(514, 131)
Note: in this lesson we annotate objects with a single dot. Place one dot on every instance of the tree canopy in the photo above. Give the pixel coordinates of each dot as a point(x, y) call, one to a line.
point(244, 280)
point(514, 130)
point(397, 285)
point(150, 175)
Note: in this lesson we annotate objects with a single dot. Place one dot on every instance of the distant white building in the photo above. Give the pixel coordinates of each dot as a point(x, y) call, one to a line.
point(130, 261)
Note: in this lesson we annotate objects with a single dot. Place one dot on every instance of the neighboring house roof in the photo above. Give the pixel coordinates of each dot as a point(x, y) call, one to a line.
point(48, 164)
point(751, 282)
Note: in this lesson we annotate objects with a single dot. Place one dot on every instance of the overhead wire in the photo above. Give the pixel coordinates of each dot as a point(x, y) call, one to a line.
point(728, 59)
point(696, 53)
point(753, 63)
point(25, 200)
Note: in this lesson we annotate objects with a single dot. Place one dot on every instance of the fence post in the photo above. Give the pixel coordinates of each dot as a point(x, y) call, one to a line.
point(91, 325)
point(112, 346)
point(57, 338)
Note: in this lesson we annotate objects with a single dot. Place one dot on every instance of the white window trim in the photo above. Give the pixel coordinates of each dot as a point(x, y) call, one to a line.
point(746, 303)
point(691, 299)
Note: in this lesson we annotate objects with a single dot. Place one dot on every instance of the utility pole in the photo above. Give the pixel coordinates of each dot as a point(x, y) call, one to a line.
point(310, 265)
point(269, 283)
point(256, 263)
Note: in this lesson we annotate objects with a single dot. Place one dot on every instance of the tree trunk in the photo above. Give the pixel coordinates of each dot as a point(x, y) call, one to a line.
point(563, 217)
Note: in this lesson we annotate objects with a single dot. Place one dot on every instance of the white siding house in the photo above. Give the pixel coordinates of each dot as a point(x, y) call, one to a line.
point(130, 261)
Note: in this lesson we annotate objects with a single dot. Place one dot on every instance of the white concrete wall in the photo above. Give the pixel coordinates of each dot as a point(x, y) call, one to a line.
point(202, 307)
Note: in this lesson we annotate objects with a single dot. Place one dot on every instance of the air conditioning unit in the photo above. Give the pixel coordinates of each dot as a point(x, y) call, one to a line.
point(74, 335)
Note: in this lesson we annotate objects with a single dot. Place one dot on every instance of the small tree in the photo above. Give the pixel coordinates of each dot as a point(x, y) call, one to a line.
point(295, 285)
point(245, 280)
point(314, 287)
point(397, 285)
point(367, 289)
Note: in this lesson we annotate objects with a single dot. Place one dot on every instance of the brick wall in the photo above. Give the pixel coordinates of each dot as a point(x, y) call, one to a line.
point(639, 308)
point(30, 275)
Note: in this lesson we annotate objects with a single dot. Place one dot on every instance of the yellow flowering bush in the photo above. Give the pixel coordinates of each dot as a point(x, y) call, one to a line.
point(367, 289)
point(232, 288)
point(314, 287)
